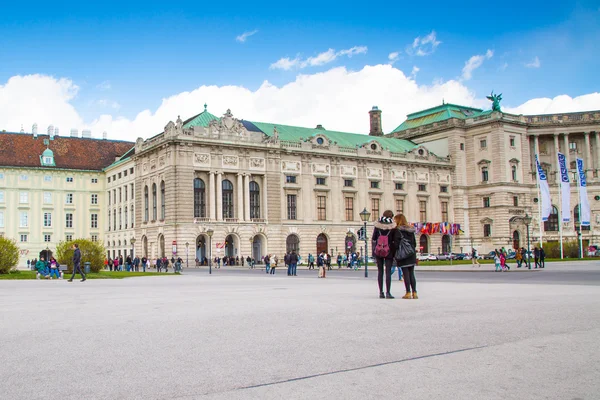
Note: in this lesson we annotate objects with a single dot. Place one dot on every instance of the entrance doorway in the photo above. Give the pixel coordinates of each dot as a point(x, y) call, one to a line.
point(46, 254)
point(229, 246)
point(144, 246)
point(292, 243)
point(516, 240)
point(200, 249)
point(350, 244)
point(322, 243)
point(424, 243)
point(446, 244)
point(161, 246)
point(257, 248)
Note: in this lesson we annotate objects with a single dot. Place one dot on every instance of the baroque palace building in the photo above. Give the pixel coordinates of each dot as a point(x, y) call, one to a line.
point(266, 188)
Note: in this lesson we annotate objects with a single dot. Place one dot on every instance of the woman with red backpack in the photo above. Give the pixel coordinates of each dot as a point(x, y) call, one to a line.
point(385, 242)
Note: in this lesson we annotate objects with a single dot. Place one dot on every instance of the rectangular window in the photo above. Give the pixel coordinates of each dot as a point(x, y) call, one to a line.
point(483, 143)
point(47, 220)
point(69, 220)
point(512, 142)
point(399, 186)
point(349, 201)
point(573, 145)
point(131, 170)
point(132, 192)
point(23, 238)
point(94, 219)
point(291, 206)
point(94, 199)
point(69, 199)
point(125, 192)
point(462, 146)
point(69, 179)
point(119, 175)
point(47, 178)
point(486, 202)
point(1, 176)
point(108, 195)
point(444, 211)
point(94, 180)
point(69, 238)
point(125, 173)
point(94, 238)
point(374, 184)
point(23, 219)
point(1, 219)
point(374, 209)
point(320, 181)
point(109, 179)
point(423, 210)
point(47, 198)
point(1, 197)
point(290, 179)
point(120, 195)
point(399, 206)
point(422, 187)
point(321, 208)
point(23, 177)
point(115, 196)
point(487, 230)
point(47, 238)
point(515, 201)
point(443, 189)
point(23, 197)
point(348, 182)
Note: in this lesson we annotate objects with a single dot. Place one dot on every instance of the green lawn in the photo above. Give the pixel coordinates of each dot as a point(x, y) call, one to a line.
point(99, 275)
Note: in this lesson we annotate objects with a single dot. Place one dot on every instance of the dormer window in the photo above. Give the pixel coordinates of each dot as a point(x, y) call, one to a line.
point(47, 158)
point(320, 141)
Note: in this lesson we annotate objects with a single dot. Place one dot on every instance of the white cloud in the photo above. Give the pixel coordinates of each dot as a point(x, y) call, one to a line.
point(320, 59)
point(535, 63)
point(108, 103)
point(393, 57)
point(424, 46)
point(338, 98)
point(413, 73)
point(244, 36)
point(473, 63)
point(104, 85)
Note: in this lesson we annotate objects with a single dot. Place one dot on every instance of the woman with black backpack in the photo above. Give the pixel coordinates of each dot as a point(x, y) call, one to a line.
point(385, 242)
point(406, 255)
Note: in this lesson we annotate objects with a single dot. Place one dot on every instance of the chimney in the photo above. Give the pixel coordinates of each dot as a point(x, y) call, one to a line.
point(34, 130)
point(104, 135)
point(74, 132)
point(55, 132)
point(375, 118)
point(50, 130)
point(320, 127)
point(86, 133)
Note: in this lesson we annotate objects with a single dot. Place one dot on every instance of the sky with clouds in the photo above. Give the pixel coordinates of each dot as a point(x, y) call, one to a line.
point(128, 68)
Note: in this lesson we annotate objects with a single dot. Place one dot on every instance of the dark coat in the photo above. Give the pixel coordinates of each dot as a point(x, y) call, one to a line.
point(77, 258)
point(393, 238)
point(408, 232)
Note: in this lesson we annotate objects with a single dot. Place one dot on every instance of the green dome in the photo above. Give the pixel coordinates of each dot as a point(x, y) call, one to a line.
point(47, 153)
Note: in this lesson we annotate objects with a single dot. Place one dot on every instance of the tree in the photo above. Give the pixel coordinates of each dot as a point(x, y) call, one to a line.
point(92, 252)
point(9, 255)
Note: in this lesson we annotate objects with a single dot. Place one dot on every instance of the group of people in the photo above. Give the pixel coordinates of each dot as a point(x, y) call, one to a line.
point(501, 257)
point(51, 269)
point(142, 264)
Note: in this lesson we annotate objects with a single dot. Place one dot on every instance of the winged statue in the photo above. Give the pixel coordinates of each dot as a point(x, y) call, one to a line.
point(495, 99)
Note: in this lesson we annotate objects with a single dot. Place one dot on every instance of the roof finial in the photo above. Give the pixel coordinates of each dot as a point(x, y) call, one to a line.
point(205, 106)
point(443, 101)
point(22, 130)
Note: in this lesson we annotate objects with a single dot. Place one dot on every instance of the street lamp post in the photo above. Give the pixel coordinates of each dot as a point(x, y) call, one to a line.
point(187, 256)
point(527, 221)
point(132, 241)
point(364, 216)
point(209, 233)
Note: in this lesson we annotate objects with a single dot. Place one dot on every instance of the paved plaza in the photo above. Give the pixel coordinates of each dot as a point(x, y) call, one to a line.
point(240, 334)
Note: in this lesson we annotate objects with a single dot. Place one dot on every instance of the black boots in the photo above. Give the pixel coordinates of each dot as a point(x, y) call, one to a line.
point(388, 295)
point(381, 295)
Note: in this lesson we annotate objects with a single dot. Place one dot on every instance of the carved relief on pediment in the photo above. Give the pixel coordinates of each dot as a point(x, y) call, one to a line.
point(398, 175)
point(230, 161)
point(256, 163)
point(227, 125)
point(374, 173)
point(443, 178)
point(290, 166)
point(320, 169)
point(348, 171)
point(201, 159)
point(422, 176)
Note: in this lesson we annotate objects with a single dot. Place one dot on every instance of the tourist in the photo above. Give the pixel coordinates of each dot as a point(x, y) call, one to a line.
point(116, 264)
point(321, 264)
point(497, 261)
point(242, 260)
point(105, 263)
point(474, 259)
point(542, 258)
point(77, 263)
point(274, 265)
point(267, 260)
point(339, 261)
point(385, 237)
point(311, 261)
point(406, 266)
point(28, 264)
point(503, 261)
point(121, 263)
point(110, 264)
point(525, 257)
point(286, 261)
point(144, 263)
point(328, 261)
point(158, 264)
point(536, 256)
point(40, 266)
point(294, 258)
point(128, 263)
point(519, 257)
point(136, 264)
point(54, 268)
point(177, 266)
point(249, 261)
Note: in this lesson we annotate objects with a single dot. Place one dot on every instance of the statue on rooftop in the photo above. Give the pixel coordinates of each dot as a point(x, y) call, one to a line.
point(495, 99)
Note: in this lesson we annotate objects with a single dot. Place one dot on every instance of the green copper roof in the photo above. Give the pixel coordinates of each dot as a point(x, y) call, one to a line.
point(48, 153)
point(437, 114)
point(201, 119)
point(345, 139)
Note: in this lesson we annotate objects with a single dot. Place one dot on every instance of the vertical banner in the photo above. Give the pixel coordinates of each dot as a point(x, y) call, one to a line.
point(584, 204)
point(565, 189)
point(546, 208)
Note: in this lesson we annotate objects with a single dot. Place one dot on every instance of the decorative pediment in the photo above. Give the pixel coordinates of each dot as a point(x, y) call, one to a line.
point(398, 175)
point(487, 220)
point(291, 167)
point(484, 162)
point(514, 161)
point(420, 152)
point(444, 178)
point(374, 173)
point(320, 141)
point(227, 125)
point(320, 169)
point(348, 171)
point(421, 177)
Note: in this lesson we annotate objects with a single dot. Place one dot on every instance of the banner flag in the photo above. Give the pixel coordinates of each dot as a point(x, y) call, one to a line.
point(565, 188)
point(546, 209)
point(584, 204)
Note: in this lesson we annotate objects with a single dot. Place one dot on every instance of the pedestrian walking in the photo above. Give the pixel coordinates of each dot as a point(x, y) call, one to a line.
point(158, 264)
point(406, 262)
point(267, 260)
point(328, 261)
point(293, 262)
point(311, 261)
point(144, 263)
point(321, 265)
point(385, 239)
point(110, 264)
point(274, 265)
point(77, 263)
point(536, 256)
point(519, 257)
point(136, 264)
point(339, 261)
point(542, 258)
point(474, 259)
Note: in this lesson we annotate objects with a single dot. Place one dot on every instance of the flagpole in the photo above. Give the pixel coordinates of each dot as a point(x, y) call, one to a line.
point(560, 207)
point(579, 208)
point(539, 202)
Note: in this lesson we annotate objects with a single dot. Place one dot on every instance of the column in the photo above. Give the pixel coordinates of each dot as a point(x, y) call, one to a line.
point(597, 150)
point(247, 197)
point(240, 197)
point(587, 154)
point(556, 151)
point(265, 198)
point(566, 150)
point(212, 203)
point(219, 196)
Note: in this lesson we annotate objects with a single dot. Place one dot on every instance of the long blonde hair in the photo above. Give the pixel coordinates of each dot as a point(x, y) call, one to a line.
point(400, 220)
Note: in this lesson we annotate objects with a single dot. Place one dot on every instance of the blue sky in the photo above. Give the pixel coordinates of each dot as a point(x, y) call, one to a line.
point(125, 57)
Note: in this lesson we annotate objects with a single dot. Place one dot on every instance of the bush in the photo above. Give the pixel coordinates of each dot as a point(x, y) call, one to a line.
point(92, 252)
point(570, 249)
point(9, 255)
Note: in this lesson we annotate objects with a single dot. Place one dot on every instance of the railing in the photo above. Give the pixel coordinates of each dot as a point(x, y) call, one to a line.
point(348, 150)
point(231, 220)
point(287, 143)
point(258, 220)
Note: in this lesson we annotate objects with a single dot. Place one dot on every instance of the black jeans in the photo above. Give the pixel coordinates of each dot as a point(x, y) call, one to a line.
point(77, 270)
point(388, 274)
point(409, 279)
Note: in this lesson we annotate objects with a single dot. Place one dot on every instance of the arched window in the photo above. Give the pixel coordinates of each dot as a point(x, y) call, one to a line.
point(154, 202)
point(199, 198)
point(254, 200)
point(162, 200)
point(227, 199)
point(514, 173)
point(552, 224)
point(484, 174)
point(145, 203)
point(576, 219)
